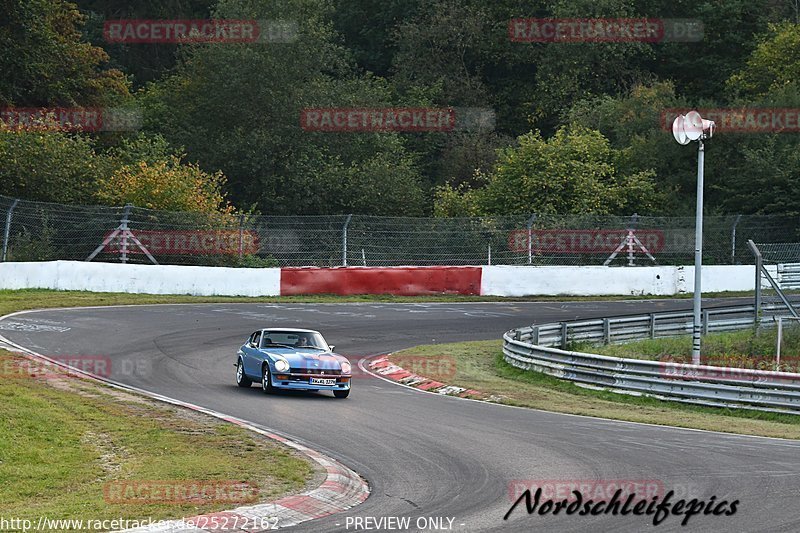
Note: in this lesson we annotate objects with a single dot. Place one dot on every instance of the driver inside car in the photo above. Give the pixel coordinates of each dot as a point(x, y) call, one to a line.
point(304, 342)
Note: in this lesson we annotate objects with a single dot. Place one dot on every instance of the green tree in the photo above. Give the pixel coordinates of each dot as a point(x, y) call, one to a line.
point(763, 169)
point(367, 27)
point(51, 166)
point(45, 62)
point(165, 184)
point(773, 65)
point(638, 124)
point(143, 62)
point(575, 171)
point(238, 107)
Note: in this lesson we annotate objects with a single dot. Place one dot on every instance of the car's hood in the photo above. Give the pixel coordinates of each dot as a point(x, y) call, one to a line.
point(307, 358)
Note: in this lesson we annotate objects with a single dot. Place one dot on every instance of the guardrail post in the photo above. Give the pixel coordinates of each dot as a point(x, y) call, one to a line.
point(606, 331)
point(7, 232)
point(535, 335)
point(563, 335)
point(517, 335)
point(778, 345)
point(652, 325)
point(705, 322)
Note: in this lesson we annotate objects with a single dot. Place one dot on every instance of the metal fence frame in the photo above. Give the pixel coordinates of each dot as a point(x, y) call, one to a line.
point(531, 348)
point(41, 231)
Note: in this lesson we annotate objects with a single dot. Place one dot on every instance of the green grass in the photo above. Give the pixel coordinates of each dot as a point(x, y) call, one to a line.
point(741, 349)
point(17, 300)
point(480, 366)
point(62, 440)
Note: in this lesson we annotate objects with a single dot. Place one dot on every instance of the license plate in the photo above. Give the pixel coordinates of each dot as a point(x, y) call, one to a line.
point(323, 381)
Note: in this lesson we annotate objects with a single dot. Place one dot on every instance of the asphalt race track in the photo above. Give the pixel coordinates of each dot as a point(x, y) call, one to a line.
point(425, 455)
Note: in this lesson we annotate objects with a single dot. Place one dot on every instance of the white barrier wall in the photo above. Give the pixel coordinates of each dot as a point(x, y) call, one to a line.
point(602, 281)
point(495, 280)
point(149, 279)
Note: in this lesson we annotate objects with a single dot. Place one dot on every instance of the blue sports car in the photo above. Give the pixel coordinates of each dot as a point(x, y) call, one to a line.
point(288, 358)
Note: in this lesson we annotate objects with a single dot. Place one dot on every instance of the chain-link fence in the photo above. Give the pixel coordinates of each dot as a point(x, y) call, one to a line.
point(777, 268)
point(37, 231)
point(780, 252)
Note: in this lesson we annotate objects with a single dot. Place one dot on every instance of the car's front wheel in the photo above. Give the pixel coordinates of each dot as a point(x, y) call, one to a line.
point(341, 393)
point(241, 379)
point(266, 381)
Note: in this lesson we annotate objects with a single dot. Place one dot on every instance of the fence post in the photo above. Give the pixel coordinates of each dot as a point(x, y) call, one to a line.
point(606, 331)
point(705, 321)
point(241, 235)
point(631, 255)
point(7, 232)
point(535, 335)
point(652, 325)
point(563, 335)
point(489, 256)
point(344, 239)
point(124, 227)
point(530, 238)
point(733, 239)
point(759, 264)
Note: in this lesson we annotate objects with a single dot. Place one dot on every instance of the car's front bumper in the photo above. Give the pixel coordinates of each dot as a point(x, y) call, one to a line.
point(287, 380)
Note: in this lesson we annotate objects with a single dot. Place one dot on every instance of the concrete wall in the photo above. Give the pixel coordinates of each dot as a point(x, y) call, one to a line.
point(492, 280)
point(577, 280)
point(150, 279)
point(600, 281)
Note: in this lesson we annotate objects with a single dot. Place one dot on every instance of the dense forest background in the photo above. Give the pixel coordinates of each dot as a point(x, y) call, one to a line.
point(578, 126)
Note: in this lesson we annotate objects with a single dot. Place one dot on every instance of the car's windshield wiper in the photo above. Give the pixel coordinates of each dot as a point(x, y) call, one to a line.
point(278, 344)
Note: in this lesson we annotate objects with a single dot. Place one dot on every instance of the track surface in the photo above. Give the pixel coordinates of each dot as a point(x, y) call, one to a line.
point(426, 455)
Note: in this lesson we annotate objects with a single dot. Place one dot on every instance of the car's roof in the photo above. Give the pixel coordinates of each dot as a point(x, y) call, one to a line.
point(294, 330)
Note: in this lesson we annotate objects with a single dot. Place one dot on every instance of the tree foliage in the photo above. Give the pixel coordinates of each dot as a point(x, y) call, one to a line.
point(238, 107)
point(773, 65)
point(53, 166)
point(165, 184)
point(575, 171)
point(588, 118)
point(45, 61)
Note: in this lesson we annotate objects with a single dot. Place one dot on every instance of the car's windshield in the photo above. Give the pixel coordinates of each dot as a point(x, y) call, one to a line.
point(295, 339)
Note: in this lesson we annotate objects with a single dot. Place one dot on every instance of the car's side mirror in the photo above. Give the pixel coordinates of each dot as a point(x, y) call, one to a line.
point(331, 347)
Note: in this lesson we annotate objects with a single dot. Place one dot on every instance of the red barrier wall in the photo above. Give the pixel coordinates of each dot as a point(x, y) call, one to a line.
point(405, 281)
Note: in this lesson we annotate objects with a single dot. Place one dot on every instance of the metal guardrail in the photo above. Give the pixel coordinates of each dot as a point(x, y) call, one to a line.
point(531, 348)
point(789, 276)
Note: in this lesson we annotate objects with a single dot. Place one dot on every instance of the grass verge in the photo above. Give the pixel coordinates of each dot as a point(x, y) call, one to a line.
point(73, 448)
point(17, 300)
point(740, 349)
point(480, 366)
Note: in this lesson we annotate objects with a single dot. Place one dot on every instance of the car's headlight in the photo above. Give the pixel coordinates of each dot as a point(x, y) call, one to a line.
point(346, 368)
point(281, 365)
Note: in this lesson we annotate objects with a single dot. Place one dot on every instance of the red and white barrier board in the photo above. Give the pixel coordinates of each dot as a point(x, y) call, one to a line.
point(403, 281)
